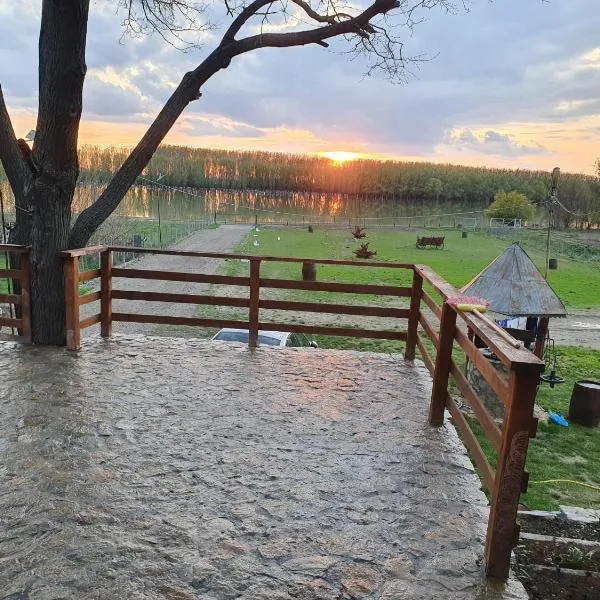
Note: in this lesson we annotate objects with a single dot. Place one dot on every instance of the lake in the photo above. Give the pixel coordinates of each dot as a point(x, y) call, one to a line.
point(209, 205)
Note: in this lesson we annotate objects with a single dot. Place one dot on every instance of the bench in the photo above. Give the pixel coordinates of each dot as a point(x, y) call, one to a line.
point(435, 242)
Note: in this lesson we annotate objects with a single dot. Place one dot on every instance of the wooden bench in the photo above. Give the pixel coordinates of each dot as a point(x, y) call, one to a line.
point(435, 242)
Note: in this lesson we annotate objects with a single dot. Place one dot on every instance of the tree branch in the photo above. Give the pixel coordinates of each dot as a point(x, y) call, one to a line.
point(355, 25)
point(241, 20)
point(17, 170)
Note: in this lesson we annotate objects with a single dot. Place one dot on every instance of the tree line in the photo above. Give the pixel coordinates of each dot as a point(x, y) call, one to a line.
point(411, 182)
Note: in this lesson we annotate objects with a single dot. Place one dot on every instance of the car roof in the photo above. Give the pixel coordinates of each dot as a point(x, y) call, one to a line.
point(278, 335)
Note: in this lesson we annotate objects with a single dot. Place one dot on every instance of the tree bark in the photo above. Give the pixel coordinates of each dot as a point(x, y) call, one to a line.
point(43, 214)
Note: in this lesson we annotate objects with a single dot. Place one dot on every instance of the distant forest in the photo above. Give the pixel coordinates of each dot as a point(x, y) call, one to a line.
point(422, 183)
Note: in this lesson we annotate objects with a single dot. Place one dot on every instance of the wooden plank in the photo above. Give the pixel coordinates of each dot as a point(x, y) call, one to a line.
point(25, 265)
point(106, 265)
point(347, 288)
point(413, 319)
point(83, 251)
point(483, 416)
point(12, 323)
point(170, 276)
point(14, 248)
point(289, 259)
point(170, 320)
point(10, 274)
point(341, 331)
point(425, 355)
point(10, 298)
point(443, 361)
point(87, 298)
point(89, 321)
point(429, 330)
point(338, 309)
point(435, 309)
point(180, 298)
point(498, 383)
point(470, 441)
point(87, 275)
point(254, 303)
point(502, 533)
point(73, 332)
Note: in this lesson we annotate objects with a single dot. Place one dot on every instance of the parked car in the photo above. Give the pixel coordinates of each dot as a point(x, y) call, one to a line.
point(281, 339)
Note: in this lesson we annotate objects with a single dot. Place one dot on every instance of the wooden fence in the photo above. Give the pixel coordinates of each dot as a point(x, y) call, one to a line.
point(19, 302)
point(517, 390)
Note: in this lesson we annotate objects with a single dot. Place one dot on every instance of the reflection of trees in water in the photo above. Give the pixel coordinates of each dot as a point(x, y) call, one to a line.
point(180, 204)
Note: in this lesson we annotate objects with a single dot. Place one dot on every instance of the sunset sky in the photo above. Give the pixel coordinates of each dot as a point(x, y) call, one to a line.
point(511, 83)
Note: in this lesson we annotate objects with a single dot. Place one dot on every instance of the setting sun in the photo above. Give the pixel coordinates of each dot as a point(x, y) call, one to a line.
point(340, 157)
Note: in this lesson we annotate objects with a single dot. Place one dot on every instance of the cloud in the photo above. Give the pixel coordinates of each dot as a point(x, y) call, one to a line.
point(492, 143)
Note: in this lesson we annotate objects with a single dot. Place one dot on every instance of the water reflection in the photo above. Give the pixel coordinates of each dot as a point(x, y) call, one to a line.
point(181, 204)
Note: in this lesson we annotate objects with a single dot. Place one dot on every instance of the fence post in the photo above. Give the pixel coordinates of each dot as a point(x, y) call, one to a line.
point(413, 317)
point(106, 263)
point(254, 300)
point(519, 426)
point(25, 267)
point(442, 365)
point(72, 302)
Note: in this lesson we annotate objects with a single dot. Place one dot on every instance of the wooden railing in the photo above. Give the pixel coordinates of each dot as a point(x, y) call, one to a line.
point(517, 390)
point(19, 302)
point(253, 301)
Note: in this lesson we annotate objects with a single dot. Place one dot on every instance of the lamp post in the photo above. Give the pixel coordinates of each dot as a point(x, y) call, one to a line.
point(550, 207)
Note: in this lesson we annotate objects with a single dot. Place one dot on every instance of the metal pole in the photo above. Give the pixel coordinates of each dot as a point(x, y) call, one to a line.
point(551, 200)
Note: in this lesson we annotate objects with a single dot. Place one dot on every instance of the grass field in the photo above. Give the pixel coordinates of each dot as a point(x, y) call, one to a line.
point(571, 453)
point(577, 283)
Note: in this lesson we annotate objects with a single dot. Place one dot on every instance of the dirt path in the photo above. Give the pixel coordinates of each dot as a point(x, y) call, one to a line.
point(223, 239)
point(580, 328)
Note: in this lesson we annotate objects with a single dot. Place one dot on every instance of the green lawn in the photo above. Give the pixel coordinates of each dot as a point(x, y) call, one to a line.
point(571, 453)
point(577, 283)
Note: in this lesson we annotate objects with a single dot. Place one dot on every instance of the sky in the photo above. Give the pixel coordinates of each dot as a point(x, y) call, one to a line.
point(509, 83)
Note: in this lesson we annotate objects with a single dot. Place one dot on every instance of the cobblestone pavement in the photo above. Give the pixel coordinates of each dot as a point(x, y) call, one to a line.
point(160, 468)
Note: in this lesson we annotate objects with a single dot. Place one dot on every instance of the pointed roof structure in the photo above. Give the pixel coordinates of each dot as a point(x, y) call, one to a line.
point(514, 287)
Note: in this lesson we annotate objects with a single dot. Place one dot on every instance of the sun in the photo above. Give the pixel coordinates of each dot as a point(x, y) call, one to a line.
point(340, 157)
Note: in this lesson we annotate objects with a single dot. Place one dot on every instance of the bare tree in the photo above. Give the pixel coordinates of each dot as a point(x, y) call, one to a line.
point(43, 179)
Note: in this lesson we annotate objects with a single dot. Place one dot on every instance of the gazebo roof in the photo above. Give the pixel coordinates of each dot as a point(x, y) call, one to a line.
point(514, 287)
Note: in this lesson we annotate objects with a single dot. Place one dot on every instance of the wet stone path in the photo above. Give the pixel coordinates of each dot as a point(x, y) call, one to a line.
point(178, 469)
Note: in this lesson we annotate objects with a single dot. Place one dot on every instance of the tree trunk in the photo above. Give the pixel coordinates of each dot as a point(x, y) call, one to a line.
point(51, 225)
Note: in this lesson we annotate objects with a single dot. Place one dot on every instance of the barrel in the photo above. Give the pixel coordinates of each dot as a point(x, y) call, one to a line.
point(309, 271)
point(465, 234)
point(553, 264)
point(585, 403)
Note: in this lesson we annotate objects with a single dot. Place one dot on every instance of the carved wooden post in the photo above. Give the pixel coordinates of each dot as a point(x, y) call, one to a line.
point(106, 293)
point(510, 480)
point(442, 365)
point(25, 267)
point(72, 302)
point(413, 318)
point(254, 300)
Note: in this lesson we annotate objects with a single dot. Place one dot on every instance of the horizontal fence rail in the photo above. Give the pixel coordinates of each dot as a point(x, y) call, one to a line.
point(254, 283)
point(16, 273)
point(434, 326)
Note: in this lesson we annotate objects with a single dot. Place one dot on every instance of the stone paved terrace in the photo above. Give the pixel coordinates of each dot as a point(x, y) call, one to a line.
point(143, 468)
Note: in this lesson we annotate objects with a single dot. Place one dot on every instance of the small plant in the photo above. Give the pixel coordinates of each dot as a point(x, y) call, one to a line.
point(364, 252)
point(359, 233)
point(575, 558)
